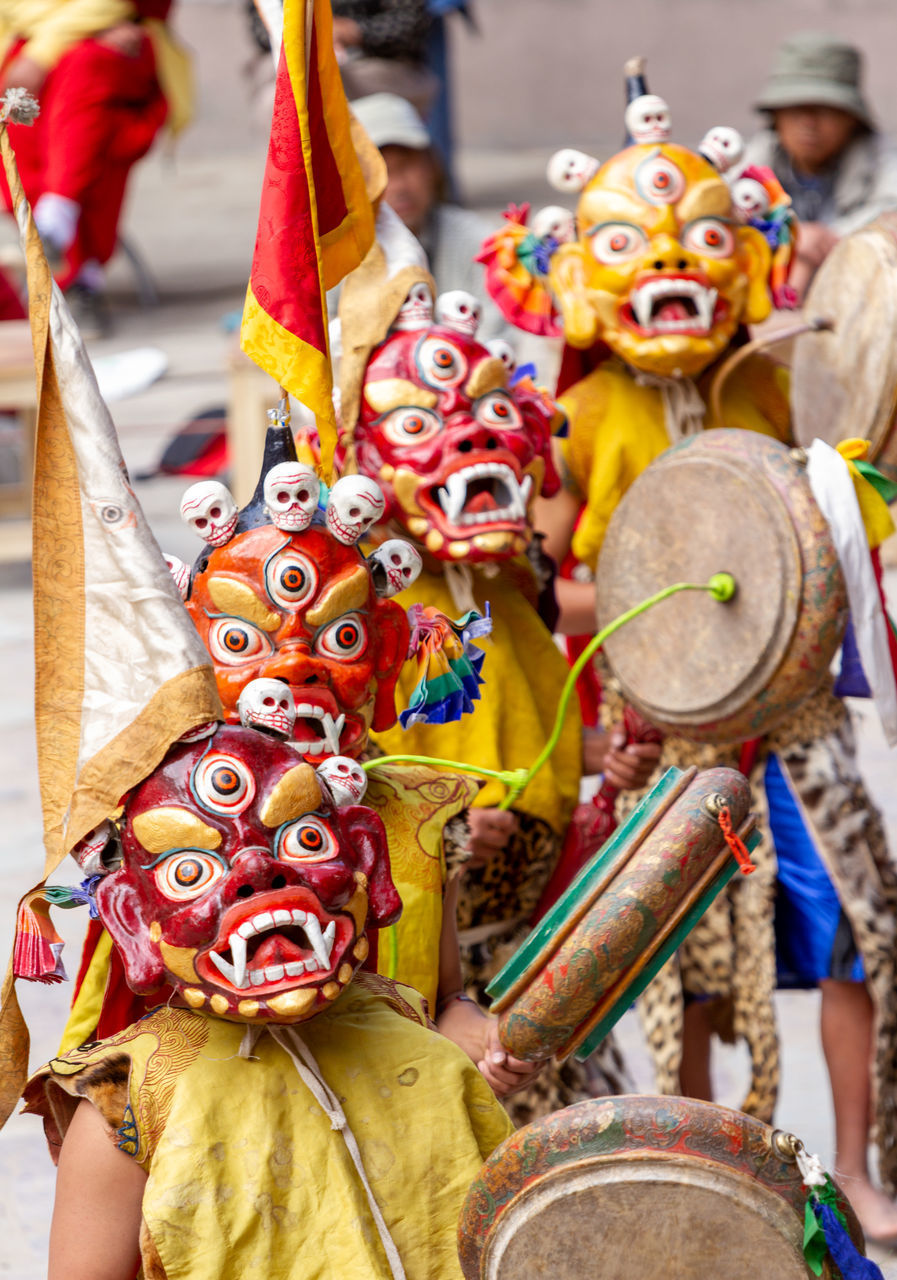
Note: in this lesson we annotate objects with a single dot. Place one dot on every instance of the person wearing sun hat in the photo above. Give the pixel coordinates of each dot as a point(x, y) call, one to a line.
point(416, 189)
point(823, 145)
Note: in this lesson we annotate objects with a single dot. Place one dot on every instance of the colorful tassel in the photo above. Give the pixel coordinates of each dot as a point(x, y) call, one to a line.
point(826, 1234)
point(448, 665)
point(517, 263)
point(37, 953)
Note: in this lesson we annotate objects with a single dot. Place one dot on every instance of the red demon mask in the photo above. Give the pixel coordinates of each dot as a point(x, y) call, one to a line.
point(242, 885)
point(459, 456)
point(301, 608)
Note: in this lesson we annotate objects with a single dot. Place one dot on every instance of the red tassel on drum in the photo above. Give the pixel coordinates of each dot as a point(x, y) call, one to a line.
point(737, 846)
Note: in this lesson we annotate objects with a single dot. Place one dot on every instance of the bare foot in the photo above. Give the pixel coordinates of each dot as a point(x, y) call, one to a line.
point(876, 1211)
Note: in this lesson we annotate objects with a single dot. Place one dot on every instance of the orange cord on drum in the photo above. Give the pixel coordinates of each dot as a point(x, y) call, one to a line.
point(737, 846)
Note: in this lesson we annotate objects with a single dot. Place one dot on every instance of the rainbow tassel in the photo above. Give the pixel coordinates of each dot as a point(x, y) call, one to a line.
point(37, 952)
point(517, 263)
point(449, 665)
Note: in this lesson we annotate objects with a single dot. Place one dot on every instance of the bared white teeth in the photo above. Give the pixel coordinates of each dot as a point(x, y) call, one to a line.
point(645, 298)
point(321, 943)
point(226, 970)
point(238, 951)
point(331, 730)
point(453, 495)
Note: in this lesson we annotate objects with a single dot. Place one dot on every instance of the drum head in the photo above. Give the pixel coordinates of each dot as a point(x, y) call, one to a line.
point(633, 1188)
point(624, 1219)
point(691, 660)
point(844, 382)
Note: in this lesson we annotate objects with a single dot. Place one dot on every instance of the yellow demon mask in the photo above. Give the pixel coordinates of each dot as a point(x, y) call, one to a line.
point(660, 270)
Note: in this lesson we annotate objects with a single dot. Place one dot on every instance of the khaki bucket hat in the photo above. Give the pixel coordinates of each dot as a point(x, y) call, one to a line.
point(811, 68)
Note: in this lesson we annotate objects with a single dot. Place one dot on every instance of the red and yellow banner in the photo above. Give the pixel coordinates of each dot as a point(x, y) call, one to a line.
point(316, 221)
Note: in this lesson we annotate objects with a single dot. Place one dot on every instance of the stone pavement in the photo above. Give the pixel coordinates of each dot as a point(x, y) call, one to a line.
point(194, 221)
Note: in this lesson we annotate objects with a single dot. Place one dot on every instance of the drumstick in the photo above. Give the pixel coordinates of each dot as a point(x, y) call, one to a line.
point(722, 586)
point(727, 368)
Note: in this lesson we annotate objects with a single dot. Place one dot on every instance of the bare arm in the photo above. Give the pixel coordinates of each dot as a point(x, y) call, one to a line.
point(99, 1194)
point(464, 1022)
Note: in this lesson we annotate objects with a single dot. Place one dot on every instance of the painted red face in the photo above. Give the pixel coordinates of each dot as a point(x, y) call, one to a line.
point(242, 885)
point(459, 456)
point(301, 608)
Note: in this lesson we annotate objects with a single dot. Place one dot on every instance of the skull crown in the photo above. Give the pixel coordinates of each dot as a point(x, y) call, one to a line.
point(571, 170)
point(647, 118)
point(416, 312)
point(345, 779)
point(267, 705)
point(291, 492)
point(353, 505)
point(395, 565)
point(460, 311)
point(210, 511)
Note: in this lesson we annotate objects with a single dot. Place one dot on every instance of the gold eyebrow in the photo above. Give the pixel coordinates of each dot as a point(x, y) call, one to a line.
point(707, 199)
point(393, 393)
point(351, 591)
point(236, 598)
point(489, 375)
point(159, 830)
point(297, 792)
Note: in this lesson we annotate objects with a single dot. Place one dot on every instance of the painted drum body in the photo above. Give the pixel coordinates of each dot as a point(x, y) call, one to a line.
point(622, 917)
point(734, 501)
point(844, 381)
point(633, 1188)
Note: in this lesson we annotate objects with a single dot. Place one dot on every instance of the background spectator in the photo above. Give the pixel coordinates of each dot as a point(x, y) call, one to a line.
point(823, 145)
point(416, 190)
point(107, 76)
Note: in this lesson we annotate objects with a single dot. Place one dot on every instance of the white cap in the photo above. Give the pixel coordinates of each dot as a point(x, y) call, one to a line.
point(391, 121)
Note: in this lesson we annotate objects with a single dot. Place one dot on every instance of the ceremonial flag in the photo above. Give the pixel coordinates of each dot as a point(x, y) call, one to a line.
point(316, 221)
point(120, 671)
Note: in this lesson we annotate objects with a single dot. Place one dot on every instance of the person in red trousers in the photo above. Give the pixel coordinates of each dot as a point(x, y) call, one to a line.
point(105, 72)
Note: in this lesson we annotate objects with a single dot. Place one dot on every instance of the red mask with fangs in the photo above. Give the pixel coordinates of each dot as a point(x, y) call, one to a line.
point(242, 885)
point(459, 455)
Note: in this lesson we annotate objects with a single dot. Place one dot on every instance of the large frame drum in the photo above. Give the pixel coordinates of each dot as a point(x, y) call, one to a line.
point(844, 381)
point(637, 1188)
point(734, 501)
point(623, 916)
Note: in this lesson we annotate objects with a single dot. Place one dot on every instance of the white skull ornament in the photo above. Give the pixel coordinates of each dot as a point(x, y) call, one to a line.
point(291, 495)
point(460, 311)
point(554, 221)
point(210, 511)
point(267, 705)
point(750, 197)
point(354, 504)
point(571, 170)
point(345, 778)
point(647, 119)
point(416, 312)
point(95, 853)
point(396, 565)
point(723, 147)
point(180, 572)
point(503, 351)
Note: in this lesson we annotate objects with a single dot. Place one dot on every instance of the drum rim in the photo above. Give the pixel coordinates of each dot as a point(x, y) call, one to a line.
point(528, 1150)
point(823, 343)
point(779, 1213)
